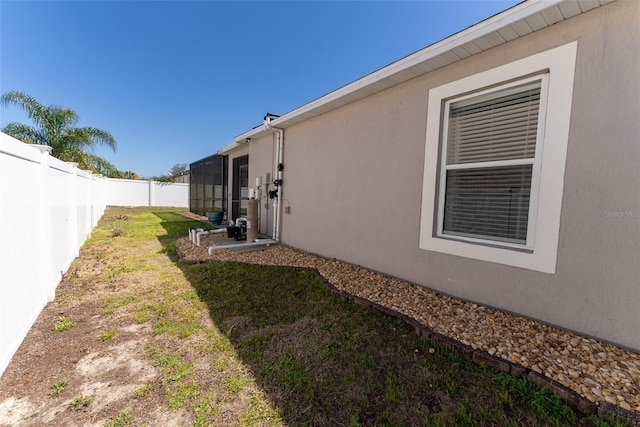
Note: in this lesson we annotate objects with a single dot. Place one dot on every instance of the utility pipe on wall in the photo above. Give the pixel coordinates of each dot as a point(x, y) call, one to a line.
point(277, 215)
point(277, 220)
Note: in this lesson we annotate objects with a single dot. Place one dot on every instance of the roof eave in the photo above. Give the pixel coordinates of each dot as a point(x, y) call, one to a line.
point(431, 58)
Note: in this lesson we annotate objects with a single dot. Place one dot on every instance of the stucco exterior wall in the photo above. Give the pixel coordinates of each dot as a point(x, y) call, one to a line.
point(262, 159)
point(353, 179)
point(261, 163)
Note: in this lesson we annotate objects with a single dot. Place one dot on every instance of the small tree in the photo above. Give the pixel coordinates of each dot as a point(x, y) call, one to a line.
point(178, 169)
point(163, 178)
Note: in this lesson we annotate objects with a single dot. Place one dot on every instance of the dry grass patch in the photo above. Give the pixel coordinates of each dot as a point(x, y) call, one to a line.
point(157, 341)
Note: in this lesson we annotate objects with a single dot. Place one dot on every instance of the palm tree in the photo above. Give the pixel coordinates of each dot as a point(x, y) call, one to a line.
point(129, 175)
point(55, 126)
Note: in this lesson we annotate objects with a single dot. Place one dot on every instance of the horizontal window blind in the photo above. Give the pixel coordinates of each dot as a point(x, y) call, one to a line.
point(488, 202)
point(501, 127)
point(491, 202)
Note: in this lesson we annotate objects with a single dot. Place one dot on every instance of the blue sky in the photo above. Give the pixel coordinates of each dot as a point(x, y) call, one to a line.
point(174, 81)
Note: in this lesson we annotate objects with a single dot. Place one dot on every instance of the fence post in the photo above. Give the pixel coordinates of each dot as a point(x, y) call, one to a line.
point(101, 199)
point(73, 212)
point(151, 193)
point(44, 251)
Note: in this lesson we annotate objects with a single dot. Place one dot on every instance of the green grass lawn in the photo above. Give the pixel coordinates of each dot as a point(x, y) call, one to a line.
point(280, 349)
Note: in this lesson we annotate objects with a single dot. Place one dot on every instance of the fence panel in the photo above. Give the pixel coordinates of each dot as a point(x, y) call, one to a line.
point(127, 192)
point(47, 210)
point(170, 194)
point(62, 212)
point(23, 290)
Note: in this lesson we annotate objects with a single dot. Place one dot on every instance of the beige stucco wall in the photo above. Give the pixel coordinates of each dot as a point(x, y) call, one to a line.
point(262, 164)
point(353, 180)
point(261, 153)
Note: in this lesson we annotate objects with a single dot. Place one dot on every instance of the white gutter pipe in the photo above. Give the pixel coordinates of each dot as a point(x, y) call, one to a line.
point(192, 233)
point(198, 234)
point(277, 220)
point(195, 233)
point(205, 232)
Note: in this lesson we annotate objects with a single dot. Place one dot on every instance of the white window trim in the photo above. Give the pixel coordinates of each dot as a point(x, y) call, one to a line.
point(559, 64)
point(534, 161)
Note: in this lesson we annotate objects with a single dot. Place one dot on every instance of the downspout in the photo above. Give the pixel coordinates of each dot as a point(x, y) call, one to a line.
point(277, 220)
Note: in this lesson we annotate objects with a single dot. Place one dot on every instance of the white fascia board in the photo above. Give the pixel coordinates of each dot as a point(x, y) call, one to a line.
point(249, 134)
point(240, 140)
point(478, 31)
point(228, 148)
point(474, 32)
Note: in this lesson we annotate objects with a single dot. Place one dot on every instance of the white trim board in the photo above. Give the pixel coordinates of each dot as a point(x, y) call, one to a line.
point(560, 63)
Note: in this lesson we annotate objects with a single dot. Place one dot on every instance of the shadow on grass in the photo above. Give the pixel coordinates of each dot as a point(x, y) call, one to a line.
point(323, 360)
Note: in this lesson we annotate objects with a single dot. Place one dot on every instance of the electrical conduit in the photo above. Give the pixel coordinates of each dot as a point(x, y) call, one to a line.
point(277, 220)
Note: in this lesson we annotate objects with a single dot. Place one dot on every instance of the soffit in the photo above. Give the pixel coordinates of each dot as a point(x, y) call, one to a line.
point(518, 21)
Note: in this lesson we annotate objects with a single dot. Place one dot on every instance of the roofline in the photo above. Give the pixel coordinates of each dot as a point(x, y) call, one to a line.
point(205, 158)
point(230, 146)
point(475, 32)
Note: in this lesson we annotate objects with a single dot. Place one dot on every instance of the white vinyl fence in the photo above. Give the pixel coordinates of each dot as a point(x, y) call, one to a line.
point(126, 192)
point(47, 210)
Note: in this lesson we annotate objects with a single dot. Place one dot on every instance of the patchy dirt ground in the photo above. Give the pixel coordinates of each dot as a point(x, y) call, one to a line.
point(120, 361)
point(81, 360)
point(114, 363)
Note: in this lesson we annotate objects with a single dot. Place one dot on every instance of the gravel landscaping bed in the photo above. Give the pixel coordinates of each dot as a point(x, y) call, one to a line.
point(598, 371)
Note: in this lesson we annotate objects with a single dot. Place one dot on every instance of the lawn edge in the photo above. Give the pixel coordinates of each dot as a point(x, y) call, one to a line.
point(578, 403)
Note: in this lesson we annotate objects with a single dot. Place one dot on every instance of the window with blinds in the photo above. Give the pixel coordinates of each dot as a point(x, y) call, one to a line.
point(490, 153)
